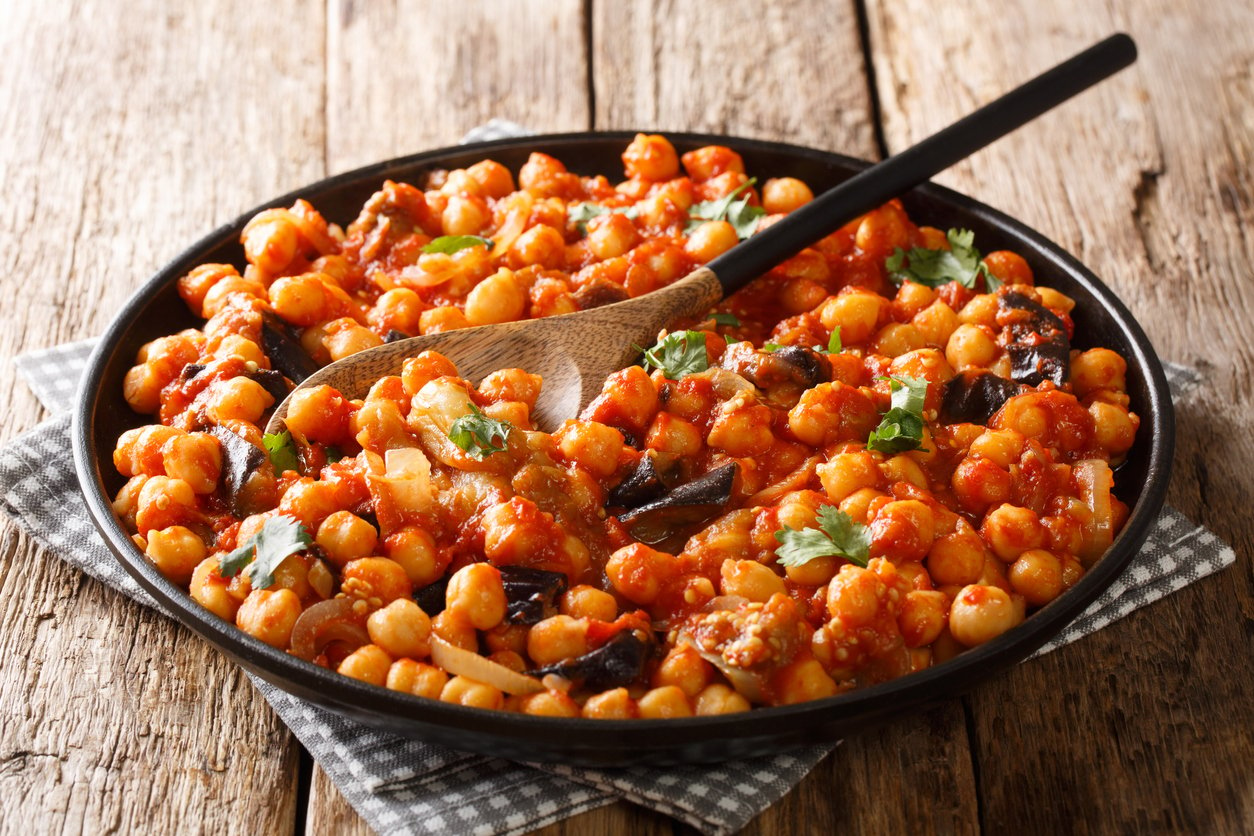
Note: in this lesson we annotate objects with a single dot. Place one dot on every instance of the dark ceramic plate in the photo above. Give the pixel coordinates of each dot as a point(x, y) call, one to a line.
point(1100, 318)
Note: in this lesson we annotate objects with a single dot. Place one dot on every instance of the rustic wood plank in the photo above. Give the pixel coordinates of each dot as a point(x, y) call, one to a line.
point(789, 71)
point(130, 129)
point(329, 811)
point(1144, 726)
point(406, 76)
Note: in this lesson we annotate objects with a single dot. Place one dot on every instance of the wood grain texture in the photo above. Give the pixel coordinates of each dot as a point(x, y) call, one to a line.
point(408, 75)
point(1143, 727)
point(128, 130)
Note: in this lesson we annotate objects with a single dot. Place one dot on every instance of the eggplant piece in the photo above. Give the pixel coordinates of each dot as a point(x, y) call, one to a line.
point(974, 396)
point(531, 595)
point(394, 335)
point(685, 505)
point(284, 350)
point(597, 293)
point(1041, 350)
point(431, 598)
point(191, 370)
point(644, 484)
point(797, 364)
point(240, 460)
point(618, 662)
point(272, 381)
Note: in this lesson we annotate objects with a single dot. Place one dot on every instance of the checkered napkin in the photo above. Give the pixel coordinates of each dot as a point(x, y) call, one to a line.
point(403, 786)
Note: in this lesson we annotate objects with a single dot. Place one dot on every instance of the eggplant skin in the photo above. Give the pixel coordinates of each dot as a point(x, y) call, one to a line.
point(974, 396)
point(284, 350)
point(531, 595)
point(1040, 349)
point(240, 460)
point(618, 662)
point(644, 484)
point(687, 504)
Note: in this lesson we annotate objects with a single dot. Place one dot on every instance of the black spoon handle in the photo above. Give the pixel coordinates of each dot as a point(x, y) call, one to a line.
point(882, 182)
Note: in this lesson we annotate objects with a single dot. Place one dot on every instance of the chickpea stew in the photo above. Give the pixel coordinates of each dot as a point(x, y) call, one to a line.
point(877, 455)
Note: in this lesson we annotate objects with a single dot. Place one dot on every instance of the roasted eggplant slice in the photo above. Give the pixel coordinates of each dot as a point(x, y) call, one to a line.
point(974, 396)
point(284, 350)
point(1040, 349)
point(531, 595)
point(432, 598)
point(618, 662)
point(646, 482)
point(272, 381)
point(240, 463)
point(684, 505)
point(394, 335)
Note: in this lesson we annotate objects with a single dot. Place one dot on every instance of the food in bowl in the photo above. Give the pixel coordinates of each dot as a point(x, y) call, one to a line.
point(878, 454)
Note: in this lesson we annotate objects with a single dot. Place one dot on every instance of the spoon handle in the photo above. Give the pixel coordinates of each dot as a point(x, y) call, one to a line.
point(881, 182)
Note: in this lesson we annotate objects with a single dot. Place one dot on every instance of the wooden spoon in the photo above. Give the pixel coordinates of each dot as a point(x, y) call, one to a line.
point(574, 353)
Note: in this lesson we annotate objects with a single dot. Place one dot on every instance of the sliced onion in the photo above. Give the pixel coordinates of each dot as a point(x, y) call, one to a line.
point(408, 478)
point(325, 622)
point(748, 685)
point(726, 384)
point(1095, 481)
point(459, 662)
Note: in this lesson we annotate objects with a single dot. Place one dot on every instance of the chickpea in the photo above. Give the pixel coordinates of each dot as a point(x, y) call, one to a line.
point(1114, 428)
point(897, 338)
point(979, 483)
point(923, 617)
point(904, 468)
point(476, 591)
point(465, 215)
point(1037, 575)
point(195, 458)
point(455, 628)
point(585, 601)
point(672, 434)
point(858, 504)
point(937, 323)
point(683, 668)
point(883, 230)
point(270, 240)
point(980, 613)
point(594, 446)
point(417, 678)
point(781, 195)
point(957, 558)
point(269, 615)
point(1011, 530)
point(638, 572)
point(651, 157)
point(628, 399)
point(463, 691)
point(719, 699)
point(855, 312)
point(498, 298)
point(176, 552)
point(209, 589)
point(550, 704)
point(142, 389)
point(309, 501)
point(854, 596)
point(750, 579)
point(193, 286)
point(710, 240)
point(401, 628)
point(832, 412)
point(557, 638)
point(375, 578)
point(1009, 267)
point(307, 300)
point(845, 473)
point(368, 663)
point(1001, 447)
point(904, 529)
point(344, 337)
point(616, 704)
point(444, 318)
point(417, 372)
point(164, 502)
point(343, 537)
point(981, 310)
point(741, 428)
point(801, 681)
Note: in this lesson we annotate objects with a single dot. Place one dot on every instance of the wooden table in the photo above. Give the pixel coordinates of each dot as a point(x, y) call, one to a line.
point(130, 127)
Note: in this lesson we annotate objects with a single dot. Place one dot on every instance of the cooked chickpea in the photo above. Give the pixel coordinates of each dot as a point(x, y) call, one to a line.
point(856, 313)
point(937, 323)
point(176, 552)
point(557, 638)
point(958, 557)
point(719, 699)
point(710, 240)
point(368, 663)
point(1037, 575)
point(980, 613)
point(417, 678)
point(375, 577)
point(672, 434)
point(594, 446)
point(611, 705)
point(1011, 530)
point(476, 590)
point(667, 701)
point(414, 550)
point(164, 502)
point(923, 616)
point(651, 157)
point(801, 681)
point(981, 310)
point(196, 458)
point(781, 195)
point(269, 615)
point(854, 596)
point(463, 691)
point(448, 318)
point(465, 215)
point(1114, 428)
point(684, 668)
point(750, 579)
point(209, 589)
point(498, 298)
point(343, 536)
point(237, 399)
point(1001, 447)
point(905, 529)
point(550, 704)
point(585, 601)
point(897, 338)
point(401, 628)
point(638, 572)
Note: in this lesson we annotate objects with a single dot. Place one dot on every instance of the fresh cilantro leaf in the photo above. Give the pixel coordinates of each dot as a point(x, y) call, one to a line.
point(581, 213)
point(677, 354)
point(475, 433)
point(933, 268)
point(280, 537)
point(728, 319)
point(282, 451)
point(901, 428)
point(453, 243)
point(837, 536)
point(834, 345)
point(742, 216)
point(334, 454)
point(771, 348)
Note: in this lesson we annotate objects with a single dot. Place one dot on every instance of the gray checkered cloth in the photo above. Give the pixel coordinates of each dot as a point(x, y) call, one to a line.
point(404, 786)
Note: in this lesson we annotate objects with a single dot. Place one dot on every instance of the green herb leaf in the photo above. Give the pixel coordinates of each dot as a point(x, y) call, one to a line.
point(933, 268)
point(837, 536)
point(677, 354)
point(453, 243)
point(901, 428)
point(728, 319)
point(280, 537)
point(581, 213)
point(334, 454)
point(739, 213)
point(282, 451)
point(834, 345)
point(771, 348)
point(476, 433)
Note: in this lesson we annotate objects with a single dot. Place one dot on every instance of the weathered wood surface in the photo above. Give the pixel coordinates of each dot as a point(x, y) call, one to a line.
point(129, 129)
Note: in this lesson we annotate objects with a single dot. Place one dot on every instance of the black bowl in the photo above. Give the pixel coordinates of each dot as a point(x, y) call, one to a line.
point(1101, 319)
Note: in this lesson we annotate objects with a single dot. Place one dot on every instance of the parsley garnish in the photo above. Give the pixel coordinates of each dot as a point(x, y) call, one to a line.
point(677, 354)
point(282, 451)
point(280, 537)
point(834, 345)
point(933, 268)
point(771, 348)
point(475, 433)
point(728, 319)
point(453, 243)
point(738, 213)
point(581, 213)
point(902, 426)
point(837, 536)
